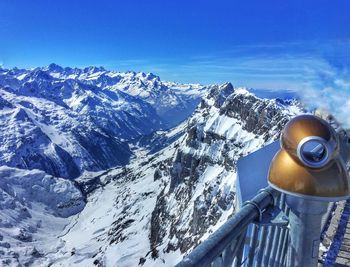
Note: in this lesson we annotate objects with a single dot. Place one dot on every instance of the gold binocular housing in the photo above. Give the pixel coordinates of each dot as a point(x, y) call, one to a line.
point(312, 161)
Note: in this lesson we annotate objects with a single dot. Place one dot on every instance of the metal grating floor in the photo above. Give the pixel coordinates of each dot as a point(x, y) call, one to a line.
point(337, 237)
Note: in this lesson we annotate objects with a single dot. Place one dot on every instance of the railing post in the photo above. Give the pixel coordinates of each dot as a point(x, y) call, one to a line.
point(305, 219)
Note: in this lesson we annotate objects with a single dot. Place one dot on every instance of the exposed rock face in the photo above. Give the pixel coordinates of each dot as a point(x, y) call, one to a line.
point(228, 124)
point(257, 116)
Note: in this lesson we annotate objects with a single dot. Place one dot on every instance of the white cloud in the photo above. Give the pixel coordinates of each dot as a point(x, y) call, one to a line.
point(330, 91)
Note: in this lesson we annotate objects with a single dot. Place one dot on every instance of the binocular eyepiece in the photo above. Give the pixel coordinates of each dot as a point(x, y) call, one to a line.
point(310, 140)
point(309, 163)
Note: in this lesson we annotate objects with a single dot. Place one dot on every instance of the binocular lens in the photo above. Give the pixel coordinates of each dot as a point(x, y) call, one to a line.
point(313, 153)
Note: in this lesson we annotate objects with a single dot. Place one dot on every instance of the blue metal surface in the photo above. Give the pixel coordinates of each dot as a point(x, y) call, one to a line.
point(252, 171)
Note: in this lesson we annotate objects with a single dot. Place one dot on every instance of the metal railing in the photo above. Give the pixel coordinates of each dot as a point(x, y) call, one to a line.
point(257, 235)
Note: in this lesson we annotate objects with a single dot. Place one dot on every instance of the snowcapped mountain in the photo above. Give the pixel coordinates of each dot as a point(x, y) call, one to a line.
point(66, 120)
point(165, 97)
point(199, 192)
point(155, 209)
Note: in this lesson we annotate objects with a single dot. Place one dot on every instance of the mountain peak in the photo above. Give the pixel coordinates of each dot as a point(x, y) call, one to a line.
point(54, 67)
point(223, 90)
point(93, 69)
point(227, 86)
point(151, 76)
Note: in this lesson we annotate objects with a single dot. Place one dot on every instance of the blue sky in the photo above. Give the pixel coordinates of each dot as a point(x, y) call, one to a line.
point(263, 44)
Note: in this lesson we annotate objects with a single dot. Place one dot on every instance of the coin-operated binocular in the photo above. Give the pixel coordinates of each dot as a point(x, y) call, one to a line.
point(311, 169)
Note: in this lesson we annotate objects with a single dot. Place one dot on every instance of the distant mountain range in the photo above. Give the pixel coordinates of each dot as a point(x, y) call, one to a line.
point(66, 120)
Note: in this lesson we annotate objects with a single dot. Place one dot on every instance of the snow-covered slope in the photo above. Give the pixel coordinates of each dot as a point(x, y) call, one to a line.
point(34, 208)
point(40, 134)
point(68, 120)
point(154, 210)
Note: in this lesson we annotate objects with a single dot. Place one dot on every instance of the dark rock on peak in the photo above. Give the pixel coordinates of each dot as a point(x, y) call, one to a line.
point(55, 68)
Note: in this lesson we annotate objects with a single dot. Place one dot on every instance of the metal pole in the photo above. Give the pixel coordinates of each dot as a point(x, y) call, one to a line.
point(305, 219)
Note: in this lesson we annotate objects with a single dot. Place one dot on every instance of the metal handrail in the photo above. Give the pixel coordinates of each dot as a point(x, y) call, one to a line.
point(257, 235)
point(228, 245)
